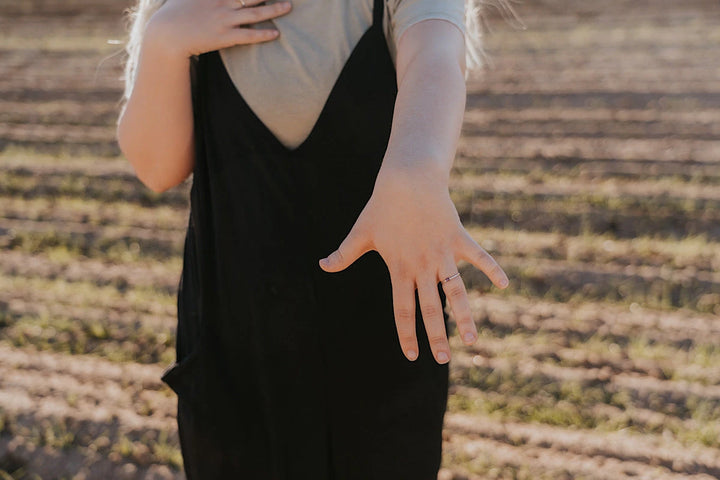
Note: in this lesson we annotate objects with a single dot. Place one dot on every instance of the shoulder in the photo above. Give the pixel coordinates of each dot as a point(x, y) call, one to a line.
point(404, 13)
point(401, 14)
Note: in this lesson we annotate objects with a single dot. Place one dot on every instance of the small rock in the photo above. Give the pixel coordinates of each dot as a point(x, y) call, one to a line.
point(128, 471)
point(159, 472)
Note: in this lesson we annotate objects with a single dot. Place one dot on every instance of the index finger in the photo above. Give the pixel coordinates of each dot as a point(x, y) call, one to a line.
point(475, 254)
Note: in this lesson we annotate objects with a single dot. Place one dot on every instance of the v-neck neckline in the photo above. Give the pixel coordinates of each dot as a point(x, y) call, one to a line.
point(375, 26)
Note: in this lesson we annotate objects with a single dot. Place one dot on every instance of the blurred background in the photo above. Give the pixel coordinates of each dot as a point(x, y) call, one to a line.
point(588, 166)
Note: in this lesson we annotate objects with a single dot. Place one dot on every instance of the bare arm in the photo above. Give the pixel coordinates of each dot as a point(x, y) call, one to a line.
point(155, 129)
point(410, 219)
point(431, 98)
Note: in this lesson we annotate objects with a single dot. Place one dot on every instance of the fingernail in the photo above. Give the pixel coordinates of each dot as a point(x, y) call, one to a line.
point(469, 337)
point(504, 282)
point(412, 354)
point(443, 357)
point(324, 262)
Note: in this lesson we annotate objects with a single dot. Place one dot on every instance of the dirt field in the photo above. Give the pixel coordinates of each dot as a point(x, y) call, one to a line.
point(588, 167)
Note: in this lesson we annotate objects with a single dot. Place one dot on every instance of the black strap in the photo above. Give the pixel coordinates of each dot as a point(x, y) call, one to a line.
point(378, 8)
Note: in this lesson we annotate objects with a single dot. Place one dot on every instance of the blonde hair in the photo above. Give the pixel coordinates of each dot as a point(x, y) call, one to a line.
point(476, 57)
point(137, 18)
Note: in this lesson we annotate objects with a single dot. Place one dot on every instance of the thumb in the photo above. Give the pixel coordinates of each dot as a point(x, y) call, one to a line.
point(352, 248)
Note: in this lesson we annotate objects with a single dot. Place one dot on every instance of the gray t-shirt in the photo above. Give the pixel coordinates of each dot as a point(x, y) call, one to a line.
point(287, 81)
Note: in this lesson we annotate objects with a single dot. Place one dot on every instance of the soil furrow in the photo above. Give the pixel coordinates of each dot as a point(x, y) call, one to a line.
point(158, 275)
point(648, 450)
point(563, 279)
point(573, 216)
point(110, 187)
point(557, 404)
point(591, 149)
point(156, 406)
point(60, 9)
point(70, 209)
point(52, 422)
point(644, 285)
point(89, 463)
point(116, 243)
point(700, 117)
point(485, 456)
point(59, 113)
point(550, 186)
point(100, 149)
point(513, 313)
point(482, 97)
point(693, 252)
point(85, 293)
point(137, 342)
point(599, 352)
point(56, 133)
point(538, 167)
point(594, 129)
point(91, 368)
point(100, 320)
point(90, 94)
point(677, 397)
point(111, 184)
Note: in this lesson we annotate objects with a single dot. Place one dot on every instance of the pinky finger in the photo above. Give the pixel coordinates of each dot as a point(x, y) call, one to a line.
point(244, 35)
point(475, 254)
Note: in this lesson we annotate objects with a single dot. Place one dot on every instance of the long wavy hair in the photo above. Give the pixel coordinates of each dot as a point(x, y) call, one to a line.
point(476, 58)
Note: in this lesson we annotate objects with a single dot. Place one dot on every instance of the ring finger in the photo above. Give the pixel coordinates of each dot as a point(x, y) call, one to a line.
point(244, 3)
point(246, 15)
point(457, 297)
point(432, 313)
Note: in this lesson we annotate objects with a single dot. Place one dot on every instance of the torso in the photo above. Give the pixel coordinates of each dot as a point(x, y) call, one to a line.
point(286, 82)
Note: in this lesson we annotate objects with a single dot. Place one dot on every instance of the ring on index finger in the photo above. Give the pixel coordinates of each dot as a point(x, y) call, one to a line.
point(447, 279)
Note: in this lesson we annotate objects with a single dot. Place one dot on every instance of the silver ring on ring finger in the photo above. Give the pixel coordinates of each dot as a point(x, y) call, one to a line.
point(447, 279)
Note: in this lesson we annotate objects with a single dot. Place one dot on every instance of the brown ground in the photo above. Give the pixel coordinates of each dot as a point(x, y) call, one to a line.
point(588, 166)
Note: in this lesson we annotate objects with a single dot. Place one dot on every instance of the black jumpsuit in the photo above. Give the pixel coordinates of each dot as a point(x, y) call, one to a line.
point(285, 371)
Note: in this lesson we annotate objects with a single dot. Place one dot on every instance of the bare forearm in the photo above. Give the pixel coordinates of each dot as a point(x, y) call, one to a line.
point(155, 129)
point(431, 100)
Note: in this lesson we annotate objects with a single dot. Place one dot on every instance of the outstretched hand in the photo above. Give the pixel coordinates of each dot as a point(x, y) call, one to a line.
point(411, 221)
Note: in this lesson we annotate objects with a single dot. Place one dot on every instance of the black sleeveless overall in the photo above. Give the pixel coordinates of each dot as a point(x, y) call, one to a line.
point(285, 371)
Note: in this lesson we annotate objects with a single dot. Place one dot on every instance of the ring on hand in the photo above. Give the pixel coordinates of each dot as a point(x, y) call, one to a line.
point(447, 279)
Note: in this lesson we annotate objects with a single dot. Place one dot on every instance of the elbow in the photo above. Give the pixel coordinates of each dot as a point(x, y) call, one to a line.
point(156, 185)
point(143, 165)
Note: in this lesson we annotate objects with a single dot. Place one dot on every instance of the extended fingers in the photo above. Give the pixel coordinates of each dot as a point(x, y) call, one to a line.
point(432, 313)
point(457, 298)
point(248, 14)
point(475, 254)
point(403, 292)
point(243, 3)
point(236, 34)
point(355, 244)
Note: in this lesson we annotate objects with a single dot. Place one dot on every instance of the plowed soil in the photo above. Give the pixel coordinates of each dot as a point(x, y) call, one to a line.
point(588, 166)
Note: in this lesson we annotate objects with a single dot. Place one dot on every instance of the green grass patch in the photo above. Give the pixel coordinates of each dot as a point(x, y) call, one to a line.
point(77, 336)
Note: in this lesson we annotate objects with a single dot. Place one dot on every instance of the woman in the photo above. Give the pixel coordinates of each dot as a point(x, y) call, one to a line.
point(322, 242)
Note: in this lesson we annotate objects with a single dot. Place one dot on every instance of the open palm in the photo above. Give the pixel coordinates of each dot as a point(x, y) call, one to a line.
point(411, 221)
